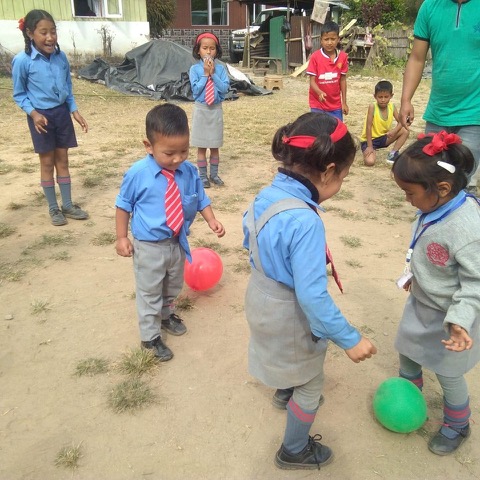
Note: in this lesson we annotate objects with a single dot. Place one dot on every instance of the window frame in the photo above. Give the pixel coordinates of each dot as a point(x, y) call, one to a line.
point(104, 9)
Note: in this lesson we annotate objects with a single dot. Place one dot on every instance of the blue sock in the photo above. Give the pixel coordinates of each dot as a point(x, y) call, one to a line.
point(299, 422)
point(65, 185)
point(455, 417)
point(49, 191)
point(416, 379)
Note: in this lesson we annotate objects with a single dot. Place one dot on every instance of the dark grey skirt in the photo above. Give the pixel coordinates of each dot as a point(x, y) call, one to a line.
point(207, 126)
point(420, 336)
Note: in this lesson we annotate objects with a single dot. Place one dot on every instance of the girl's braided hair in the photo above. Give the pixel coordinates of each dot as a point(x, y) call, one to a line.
point(29, 22)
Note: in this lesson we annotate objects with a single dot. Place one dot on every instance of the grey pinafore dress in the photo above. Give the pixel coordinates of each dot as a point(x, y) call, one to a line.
point(281, 351)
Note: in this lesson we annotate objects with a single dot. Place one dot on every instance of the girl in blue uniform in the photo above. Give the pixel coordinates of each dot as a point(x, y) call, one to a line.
point(289, 310)
point(42, 88)
point(209, 81)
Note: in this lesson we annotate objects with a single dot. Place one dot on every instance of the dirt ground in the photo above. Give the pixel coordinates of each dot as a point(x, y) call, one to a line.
point(66, 296)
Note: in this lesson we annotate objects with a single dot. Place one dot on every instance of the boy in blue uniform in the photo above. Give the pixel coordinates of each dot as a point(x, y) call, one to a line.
point(159, 247)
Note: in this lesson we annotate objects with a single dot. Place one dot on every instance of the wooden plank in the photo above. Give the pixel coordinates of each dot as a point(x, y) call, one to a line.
point(299, 70)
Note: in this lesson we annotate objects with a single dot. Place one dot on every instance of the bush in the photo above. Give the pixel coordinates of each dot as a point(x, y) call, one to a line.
point(370, 13)
point(160, 15)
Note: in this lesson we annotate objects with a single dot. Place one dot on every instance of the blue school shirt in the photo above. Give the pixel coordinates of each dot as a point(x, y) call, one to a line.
point(41, 82)
point(142, 194)
point(292, 251)
point(198, 82)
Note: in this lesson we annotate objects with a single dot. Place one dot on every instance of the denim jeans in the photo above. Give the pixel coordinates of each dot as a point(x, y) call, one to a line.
point(470, 135)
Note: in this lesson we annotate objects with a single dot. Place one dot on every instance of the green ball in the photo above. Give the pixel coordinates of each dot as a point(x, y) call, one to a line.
point(399, 405)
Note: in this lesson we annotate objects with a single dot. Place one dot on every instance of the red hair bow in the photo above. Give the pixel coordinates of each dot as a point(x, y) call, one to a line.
point(21, 24)
point(440, 141)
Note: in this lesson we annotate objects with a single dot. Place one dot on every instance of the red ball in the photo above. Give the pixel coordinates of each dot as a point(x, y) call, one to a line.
point(205, 271)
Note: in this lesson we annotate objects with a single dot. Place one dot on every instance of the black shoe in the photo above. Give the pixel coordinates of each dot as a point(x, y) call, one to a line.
point(173, 325)
point(161, 351)
point(205, 182)
point(282, 397)
point(314, 455)
point(217, 181)
point(442, 445)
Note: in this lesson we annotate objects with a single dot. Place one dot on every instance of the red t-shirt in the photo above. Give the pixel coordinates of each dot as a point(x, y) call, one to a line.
point(327, 74)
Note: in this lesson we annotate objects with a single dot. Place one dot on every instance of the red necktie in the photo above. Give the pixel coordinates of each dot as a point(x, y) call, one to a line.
point(334, 270)
point(209, 91)
point(173, 203)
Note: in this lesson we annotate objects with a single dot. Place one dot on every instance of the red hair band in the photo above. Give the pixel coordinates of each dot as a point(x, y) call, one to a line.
point(440, 141)
point(206, 35)
point(306, 141)
point(21, 24)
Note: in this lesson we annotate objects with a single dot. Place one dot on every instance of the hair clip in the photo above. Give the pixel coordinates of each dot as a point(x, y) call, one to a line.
point(447, 166)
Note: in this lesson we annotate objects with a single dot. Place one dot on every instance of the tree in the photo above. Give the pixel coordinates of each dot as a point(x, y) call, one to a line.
point(160, 15)
point(370, 13)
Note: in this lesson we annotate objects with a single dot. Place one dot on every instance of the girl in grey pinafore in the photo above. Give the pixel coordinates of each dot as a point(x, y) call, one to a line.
point(289, 310)
point(439, 328)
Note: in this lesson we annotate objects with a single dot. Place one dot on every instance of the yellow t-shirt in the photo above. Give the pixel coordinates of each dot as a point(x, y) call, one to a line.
point(380, 126)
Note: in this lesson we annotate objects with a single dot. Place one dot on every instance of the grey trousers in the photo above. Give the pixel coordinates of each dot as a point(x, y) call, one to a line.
point(158, 268)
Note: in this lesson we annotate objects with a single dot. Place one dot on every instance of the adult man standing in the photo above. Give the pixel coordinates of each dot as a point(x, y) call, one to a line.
point(451, 28)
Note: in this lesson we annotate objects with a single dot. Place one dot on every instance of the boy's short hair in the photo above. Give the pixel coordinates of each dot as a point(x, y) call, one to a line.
point(328, 27)
point(168, 120)
point(384, 86)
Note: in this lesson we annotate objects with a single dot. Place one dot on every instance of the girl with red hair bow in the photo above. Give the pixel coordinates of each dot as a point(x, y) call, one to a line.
point(439, 329)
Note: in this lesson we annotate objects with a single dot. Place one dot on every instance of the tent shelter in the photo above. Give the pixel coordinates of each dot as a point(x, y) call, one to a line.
point(159, 69)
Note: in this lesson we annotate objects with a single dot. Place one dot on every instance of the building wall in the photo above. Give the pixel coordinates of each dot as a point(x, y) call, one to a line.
point(78, 37)
point(183, 32)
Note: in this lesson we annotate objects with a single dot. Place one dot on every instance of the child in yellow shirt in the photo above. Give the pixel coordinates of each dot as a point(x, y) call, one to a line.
point(377, 128)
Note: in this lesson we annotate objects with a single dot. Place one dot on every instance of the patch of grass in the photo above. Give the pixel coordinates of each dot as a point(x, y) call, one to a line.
point(395, 201)
point(137, 361)
point(15, 206)
point(4, 168)
point(352, 242)
point(254, 187)
point(343, 195)
point(28, 167)
point(40, 306)
point(11, 272)
point(6, 230)
point(104, 238)
point(130, 395)
point(216, 246)
point(242, 267)
point(91, 367)
point(69, 456)
point(63, 256)
point(91, 181)
point(38, 198)
point(230, 203)
point(354, 264)
point(51, 240)
point(348, 214)
point(184, 303)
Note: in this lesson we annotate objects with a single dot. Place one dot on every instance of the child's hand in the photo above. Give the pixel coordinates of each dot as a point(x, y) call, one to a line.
point(345, 109)
point(39, 121)
point(459, 339)
point(81, 121)
point(216, 227)
point(124, 247)
point(362, 350)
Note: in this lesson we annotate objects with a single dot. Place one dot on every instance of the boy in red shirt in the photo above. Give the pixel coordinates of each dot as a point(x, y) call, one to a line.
point(328, 68)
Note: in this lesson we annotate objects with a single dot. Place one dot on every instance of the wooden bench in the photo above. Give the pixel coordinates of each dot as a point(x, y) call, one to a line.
point(262, 64)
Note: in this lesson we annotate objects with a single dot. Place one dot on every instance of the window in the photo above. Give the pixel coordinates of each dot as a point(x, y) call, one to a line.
point(209, 12)
point(97, 8)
